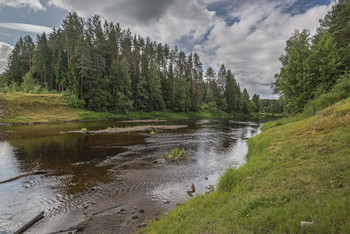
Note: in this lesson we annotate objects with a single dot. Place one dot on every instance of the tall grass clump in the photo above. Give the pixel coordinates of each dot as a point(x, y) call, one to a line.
point(341, 90)
point(176, 154)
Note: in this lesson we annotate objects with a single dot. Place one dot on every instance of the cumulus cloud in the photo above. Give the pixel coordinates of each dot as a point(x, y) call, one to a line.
point(5, 50)
point(252, 45)
point(32, 4)
point(124, 10)
point(165, 21)
point(38, 29)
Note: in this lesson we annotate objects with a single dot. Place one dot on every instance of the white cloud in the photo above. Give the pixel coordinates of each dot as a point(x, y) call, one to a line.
point(38, 29)
point(184, 19)
point(5, 50)
point(32, 4)
point(251, 47)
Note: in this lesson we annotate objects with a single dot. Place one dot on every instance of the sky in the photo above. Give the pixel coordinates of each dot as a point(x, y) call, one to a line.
point(248, 36)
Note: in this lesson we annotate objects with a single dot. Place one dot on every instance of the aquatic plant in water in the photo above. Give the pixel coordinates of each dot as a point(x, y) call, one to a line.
point(176, 154)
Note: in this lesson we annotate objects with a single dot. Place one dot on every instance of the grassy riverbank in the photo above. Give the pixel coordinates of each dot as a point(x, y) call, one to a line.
point(298, 169)
point(31, 108)
point(19, 108)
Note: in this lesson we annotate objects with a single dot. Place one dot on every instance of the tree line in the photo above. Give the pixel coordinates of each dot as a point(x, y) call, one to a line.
point(317, 65)
point(100, 66)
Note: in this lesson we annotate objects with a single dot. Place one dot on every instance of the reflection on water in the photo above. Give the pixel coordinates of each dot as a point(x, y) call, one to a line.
point(109, 168)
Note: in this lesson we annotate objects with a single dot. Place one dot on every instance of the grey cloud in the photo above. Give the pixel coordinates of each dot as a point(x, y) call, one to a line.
point(165, 21)
point(142, 11)
point(124, 11)
point(5, 50)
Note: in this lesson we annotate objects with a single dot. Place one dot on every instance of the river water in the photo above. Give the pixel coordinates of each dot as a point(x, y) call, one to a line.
point(103, 170)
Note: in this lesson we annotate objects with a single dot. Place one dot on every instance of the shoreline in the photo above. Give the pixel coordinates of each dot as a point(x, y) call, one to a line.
point(26, 109)
point(296, 173)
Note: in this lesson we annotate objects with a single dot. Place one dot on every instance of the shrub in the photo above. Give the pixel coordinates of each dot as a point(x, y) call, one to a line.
point(210, 106)
point(341, 90)
point(29, 84)
point(342, 87)
point(73, 99)
point(13, 87)
point(320, 103)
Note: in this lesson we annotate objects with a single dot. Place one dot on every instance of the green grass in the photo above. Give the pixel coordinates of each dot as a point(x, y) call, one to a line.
point(176, 154)
point(298, 169)
point(30, 108)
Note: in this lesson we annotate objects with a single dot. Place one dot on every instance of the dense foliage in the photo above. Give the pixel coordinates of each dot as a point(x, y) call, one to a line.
point(312, 65)
point(103, 67)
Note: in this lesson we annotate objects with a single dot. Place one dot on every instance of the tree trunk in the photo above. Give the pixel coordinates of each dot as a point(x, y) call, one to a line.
point(44, 72)
point(173, 95)
point(117, 53)
point(81, 76)
point(30, 59)
point(30, 223)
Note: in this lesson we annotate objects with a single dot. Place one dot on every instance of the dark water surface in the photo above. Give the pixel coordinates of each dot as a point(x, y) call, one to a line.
point(109, 169)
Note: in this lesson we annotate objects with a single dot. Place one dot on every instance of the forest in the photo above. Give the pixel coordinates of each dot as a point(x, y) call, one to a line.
point(102, 67)
point(315, 69)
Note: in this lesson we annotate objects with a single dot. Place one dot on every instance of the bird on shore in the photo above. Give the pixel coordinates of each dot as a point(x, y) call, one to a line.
point(192, 190)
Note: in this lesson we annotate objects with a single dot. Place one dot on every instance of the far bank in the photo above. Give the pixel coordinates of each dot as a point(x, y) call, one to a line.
point(24, 108)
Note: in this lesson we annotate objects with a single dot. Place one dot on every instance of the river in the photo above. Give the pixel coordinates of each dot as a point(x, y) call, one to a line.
point(88, 173)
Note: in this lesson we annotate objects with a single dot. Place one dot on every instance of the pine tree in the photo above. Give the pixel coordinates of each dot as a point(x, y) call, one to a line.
point(142, 95)
point(42, 59)
point(29, 48)
point(155, 93)
point(210, 76)
point(120, 83)
point(257, 103)
point(83, 57)
point(336, 22)
point(197, 82)
point(232, 93)
point(246, 107)
point(72, 28)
